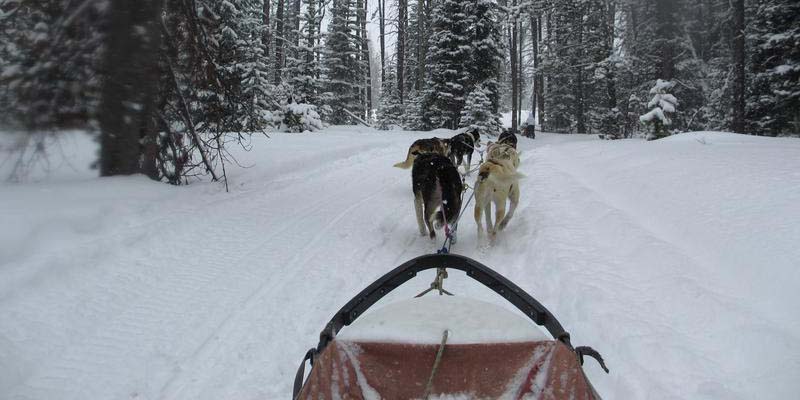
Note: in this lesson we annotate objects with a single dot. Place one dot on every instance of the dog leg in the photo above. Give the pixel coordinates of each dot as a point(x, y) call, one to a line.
point(418, 210)
point(499, 213)
point(430, 216)
point(487, 214)
point(514, 197)
point(469, 163)
point(477, 214)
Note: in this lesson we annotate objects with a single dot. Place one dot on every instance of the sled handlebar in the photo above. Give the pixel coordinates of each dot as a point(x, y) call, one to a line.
point(532, 309)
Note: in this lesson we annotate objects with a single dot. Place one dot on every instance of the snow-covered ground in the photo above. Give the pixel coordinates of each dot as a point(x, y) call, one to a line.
point(677, 259)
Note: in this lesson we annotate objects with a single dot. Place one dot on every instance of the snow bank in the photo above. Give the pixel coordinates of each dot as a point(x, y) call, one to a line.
point(422, 321)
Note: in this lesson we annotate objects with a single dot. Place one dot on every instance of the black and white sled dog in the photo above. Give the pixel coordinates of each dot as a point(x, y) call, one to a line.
point(437, 185)
point(424, 146)
point(462, 145)
point(508, 138)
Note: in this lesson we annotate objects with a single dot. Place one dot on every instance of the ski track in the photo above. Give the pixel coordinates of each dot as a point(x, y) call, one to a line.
point(206, 295)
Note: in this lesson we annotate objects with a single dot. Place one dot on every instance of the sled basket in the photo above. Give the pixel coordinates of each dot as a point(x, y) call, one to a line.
point(449, 347)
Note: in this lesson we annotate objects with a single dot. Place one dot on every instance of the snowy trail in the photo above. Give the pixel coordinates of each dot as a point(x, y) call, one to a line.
point(125, 289)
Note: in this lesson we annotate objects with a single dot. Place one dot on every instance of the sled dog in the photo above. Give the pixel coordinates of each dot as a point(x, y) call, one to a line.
point(424, 146)
point(462, 145)
point(437, 185)
point(498, 182)
point(508, 137)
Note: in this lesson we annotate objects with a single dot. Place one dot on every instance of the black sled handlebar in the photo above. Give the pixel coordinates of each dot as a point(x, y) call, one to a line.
point(534, 310)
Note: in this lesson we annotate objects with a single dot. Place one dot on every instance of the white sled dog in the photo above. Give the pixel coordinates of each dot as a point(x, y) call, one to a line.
point(498, 182)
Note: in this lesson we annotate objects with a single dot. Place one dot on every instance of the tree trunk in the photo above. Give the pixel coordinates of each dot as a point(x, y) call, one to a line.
point(665, 31)
point(422, 49)
point(738, 67)
point(535, 50)
point(382, 28)
point(362, 15)
point(296, 19)
point(402, 17)
point(279, 41)
point(267, 38)
point(543, 84)
point(129, 88)
point(514, 74)
point(580, 115)
point(611, 89)
point(520, 71)
point(311, 9)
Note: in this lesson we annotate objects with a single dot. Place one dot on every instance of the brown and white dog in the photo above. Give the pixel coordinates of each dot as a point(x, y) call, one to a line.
point(437, 185)
point(462, 146)
point(498, 182)
point(425, 146)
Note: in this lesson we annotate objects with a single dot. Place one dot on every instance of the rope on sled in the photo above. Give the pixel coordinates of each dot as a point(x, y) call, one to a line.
point(437, 284)
point(436, 362)
point(450, 233)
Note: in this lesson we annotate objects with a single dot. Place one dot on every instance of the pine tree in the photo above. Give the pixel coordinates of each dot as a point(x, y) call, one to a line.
point(773, 104)
point(390, 110)
point(661, 106)
point(464, 49)
point(487, 49)
point(413, 117)
point(343, 73)
point(50, 63)
point(303, 70)
point(477, 112)
point(449, 50)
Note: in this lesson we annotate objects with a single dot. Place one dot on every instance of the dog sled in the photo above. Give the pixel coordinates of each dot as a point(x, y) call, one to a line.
point(437, 347)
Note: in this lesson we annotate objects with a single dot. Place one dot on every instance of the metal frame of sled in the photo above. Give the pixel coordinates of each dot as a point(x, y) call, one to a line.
point(529, 306)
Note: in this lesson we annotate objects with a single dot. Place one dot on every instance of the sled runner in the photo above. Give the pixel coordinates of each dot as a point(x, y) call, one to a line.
point(444, 346)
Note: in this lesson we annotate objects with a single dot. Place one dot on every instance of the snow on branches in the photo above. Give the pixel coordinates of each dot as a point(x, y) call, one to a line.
point(661, 106)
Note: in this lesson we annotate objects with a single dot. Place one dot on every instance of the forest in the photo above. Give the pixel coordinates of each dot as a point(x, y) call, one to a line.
point(168, 86)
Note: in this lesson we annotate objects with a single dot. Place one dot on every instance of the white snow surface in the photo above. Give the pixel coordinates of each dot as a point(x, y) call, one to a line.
point(677, 259)
point(423, 321)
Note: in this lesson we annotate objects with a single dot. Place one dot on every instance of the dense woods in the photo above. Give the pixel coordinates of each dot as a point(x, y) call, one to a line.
point(168, 85)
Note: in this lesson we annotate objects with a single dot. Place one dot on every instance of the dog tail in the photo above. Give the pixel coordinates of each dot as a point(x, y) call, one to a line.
point(408, 162)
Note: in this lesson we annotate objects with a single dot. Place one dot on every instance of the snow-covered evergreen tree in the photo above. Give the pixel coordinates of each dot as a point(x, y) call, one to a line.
point(478, 113)
point(300, 117)
point(302, 67)
point(661, 106)
point(413, 118)
point(344, 75)
point(238, 97)
point(49, 65)
point(487, 49)
point(449, 52)
point(257, 98)
point(773, 104)
point(464, 49)
point(390, 110)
